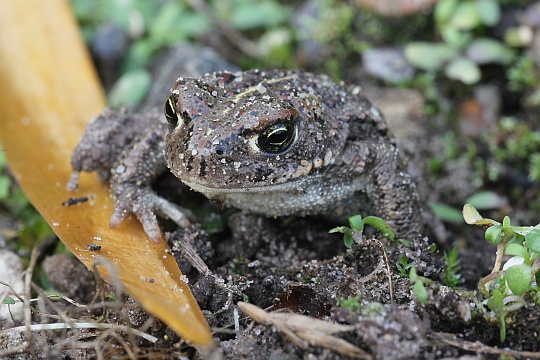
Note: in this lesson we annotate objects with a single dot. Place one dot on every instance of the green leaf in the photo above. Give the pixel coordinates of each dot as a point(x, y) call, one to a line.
point(174, 23)
point(259, 14)
point(348, 240)
point(489, 11)
point(9, 301)
point(446, 212)
point(485, 200)
point(494, 234)
point(403, 259)
point(428, 56)
point(122, 11)
point(444, 10)
point(131, 88)
point(356, 223)
point(340, 229)
point(496, 303)
point(532, 240)
point(522, 230)
point(506, 222)
point(420, 291)
point(380, 225)
point(473, 217)
point(484, 50)
point(464, 70)
point(455, 37)
point(413, 277)
point(517, 250)
point(518, 278)
point(466, 16)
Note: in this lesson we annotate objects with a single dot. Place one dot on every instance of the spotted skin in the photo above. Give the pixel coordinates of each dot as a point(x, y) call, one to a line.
point(268, 142)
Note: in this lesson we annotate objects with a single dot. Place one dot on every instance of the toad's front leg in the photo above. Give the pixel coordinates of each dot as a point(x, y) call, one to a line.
point(127, 150)
point(131, 180)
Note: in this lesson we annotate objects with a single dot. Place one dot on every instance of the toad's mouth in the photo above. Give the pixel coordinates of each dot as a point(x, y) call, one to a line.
point(219, 191)
point(218, 186)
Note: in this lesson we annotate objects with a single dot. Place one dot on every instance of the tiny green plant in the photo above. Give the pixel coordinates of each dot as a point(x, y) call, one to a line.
point(452, 277)
point(307, 278)
point(237, 265)
point(404, 265)
point(419, 285)
point(507, 283)
point(354, 304)
point(354, 233)
point(9, 301)
point(461, 52)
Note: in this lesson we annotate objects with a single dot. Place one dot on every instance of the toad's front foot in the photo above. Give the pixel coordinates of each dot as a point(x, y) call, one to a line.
point(145, 204)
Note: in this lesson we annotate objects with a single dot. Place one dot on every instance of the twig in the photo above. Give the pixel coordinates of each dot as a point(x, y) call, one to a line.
point(61, 326)
point(193, 257)
point(26, 300)
point(478, 347)
point(388, 270)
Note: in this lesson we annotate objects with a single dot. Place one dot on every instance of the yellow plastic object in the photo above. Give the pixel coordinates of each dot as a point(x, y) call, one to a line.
point(48, 92)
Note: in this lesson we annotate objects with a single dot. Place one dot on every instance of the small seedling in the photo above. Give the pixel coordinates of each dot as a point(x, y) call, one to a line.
point(237, 266)
point(506, 285)
point(452, 277)
point(404, 265)
point(462, 52)
point(354, 304)
point(419, 285)
point(354, 233)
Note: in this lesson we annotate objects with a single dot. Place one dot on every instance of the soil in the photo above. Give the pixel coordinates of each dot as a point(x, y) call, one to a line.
point(294, 266)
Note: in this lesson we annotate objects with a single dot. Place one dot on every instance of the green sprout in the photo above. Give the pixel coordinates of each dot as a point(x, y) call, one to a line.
point(404, 265)
point(461, 53)
point(419, 285)
point(354, 233)
point(452, 277)
point(507, 283)
point(354, 304)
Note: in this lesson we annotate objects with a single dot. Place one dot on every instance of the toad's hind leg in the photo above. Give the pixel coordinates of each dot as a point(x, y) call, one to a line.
point(394, 195)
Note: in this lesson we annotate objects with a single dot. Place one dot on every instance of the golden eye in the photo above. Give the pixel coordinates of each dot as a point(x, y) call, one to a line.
point(170, 112)
point(277, 138)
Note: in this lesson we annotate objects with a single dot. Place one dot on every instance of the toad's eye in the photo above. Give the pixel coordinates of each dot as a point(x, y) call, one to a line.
point(170, 112)
point(277, 138)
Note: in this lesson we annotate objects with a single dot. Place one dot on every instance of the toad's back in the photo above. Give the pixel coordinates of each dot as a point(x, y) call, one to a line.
point(288, 142)
point(273, 143)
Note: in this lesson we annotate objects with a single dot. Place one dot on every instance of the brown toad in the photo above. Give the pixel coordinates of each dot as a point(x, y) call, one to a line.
point(268, 142)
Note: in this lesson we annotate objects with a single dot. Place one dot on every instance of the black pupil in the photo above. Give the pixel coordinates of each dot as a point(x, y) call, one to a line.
point(276, 138)
point(170, 112)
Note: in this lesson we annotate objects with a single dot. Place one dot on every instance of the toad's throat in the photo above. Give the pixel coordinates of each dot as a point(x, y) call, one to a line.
point(296, 197)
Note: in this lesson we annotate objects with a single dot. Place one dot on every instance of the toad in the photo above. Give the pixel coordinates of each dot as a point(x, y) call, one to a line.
point(276, 143)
